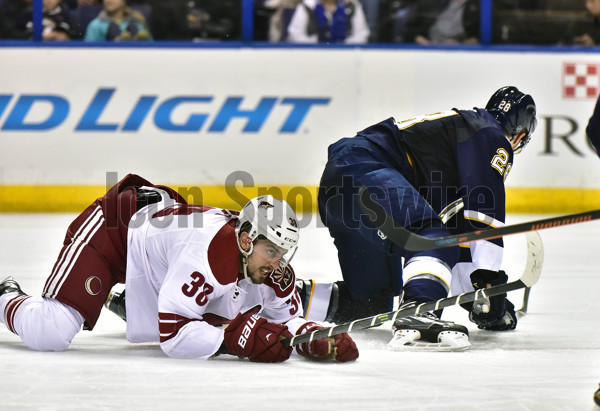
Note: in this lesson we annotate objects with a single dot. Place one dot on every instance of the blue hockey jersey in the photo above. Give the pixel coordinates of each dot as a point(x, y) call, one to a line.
point(452, 155)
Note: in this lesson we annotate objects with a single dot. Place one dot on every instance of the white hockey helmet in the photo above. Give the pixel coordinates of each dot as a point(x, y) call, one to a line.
point(271, 218)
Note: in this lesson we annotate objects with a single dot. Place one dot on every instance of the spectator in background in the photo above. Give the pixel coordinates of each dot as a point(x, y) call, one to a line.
point(373, 9)
point(213, 19)
point(588, 34)
point(56, 22)
point(328, 21)
point(283, 10)
point(444, 22)
point(117, 22)
point(393, 17)
point(197, 20)
point(16, 20)
point(14, 16)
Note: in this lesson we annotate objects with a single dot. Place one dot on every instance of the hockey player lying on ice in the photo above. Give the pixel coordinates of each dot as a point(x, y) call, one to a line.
point(189, 272)
point(435, 174)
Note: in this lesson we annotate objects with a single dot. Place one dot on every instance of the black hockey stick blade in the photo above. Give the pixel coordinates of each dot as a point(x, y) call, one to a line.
point(408, 240)
point(533, 269)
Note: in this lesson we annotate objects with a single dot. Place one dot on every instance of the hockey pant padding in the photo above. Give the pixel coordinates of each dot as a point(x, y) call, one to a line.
point(370, 262)
point(367, 271)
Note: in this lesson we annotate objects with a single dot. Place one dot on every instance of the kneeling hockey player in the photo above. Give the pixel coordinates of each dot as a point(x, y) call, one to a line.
point(202, 281)
point(422, 171)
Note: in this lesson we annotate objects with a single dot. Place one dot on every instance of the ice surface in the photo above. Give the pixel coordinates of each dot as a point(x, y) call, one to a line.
point(551, 362)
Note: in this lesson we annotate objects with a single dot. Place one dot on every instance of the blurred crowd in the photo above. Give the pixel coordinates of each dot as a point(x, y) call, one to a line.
point(425, 22)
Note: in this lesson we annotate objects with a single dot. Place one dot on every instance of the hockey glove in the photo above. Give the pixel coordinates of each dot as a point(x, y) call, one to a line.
point(495, 313)
point(249, 335)
point(339, 347)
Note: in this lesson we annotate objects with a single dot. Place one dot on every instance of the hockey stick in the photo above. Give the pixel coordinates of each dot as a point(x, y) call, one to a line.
point(408, 240)
point(523, 310)
point(533, 268)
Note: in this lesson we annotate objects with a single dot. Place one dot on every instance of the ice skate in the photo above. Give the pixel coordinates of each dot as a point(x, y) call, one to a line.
point(115, 302)
point(8, 285)
point(426, 332)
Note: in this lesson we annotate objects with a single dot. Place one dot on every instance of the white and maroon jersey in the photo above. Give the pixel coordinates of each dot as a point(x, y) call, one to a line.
point(183, 280)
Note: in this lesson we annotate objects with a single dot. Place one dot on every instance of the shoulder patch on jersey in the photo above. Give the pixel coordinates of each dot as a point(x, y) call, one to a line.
point(282, 281)
point(224, 255)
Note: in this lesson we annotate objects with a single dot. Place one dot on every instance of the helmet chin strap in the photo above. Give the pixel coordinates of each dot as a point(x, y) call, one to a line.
point(515, 142)
point(245, 256)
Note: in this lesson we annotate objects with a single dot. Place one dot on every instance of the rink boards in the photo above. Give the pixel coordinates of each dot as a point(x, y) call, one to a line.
point(225, 124)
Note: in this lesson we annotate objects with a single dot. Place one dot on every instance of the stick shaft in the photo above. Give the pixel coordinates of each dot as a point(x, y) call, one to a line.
point(392, 315)
point(408, 240)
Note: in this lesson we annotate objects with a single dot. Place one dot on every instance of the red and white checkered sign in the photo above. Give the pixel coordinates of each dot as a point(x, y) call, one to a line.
point(581, 80)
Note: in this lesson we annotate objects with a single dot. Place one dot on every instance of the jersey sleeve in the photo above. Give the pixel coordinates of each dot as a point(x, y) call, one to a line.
point(188, 288)
point(484, 162)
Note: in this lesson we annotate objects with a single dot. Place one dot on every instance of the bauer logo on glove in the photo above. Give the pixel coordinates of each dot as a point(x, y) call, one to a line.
point(254, 337)
point(247, 330)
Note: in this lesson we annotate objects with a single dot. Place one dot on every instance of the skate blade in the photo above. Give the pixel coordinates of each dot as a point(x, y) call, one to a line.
point(408, 340)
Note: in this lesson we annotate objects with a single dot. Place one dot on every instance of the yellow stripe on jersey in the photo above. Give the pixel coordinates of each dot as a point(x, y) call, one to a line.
point(482, 218)
point(451, 210)
point(409, 160)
